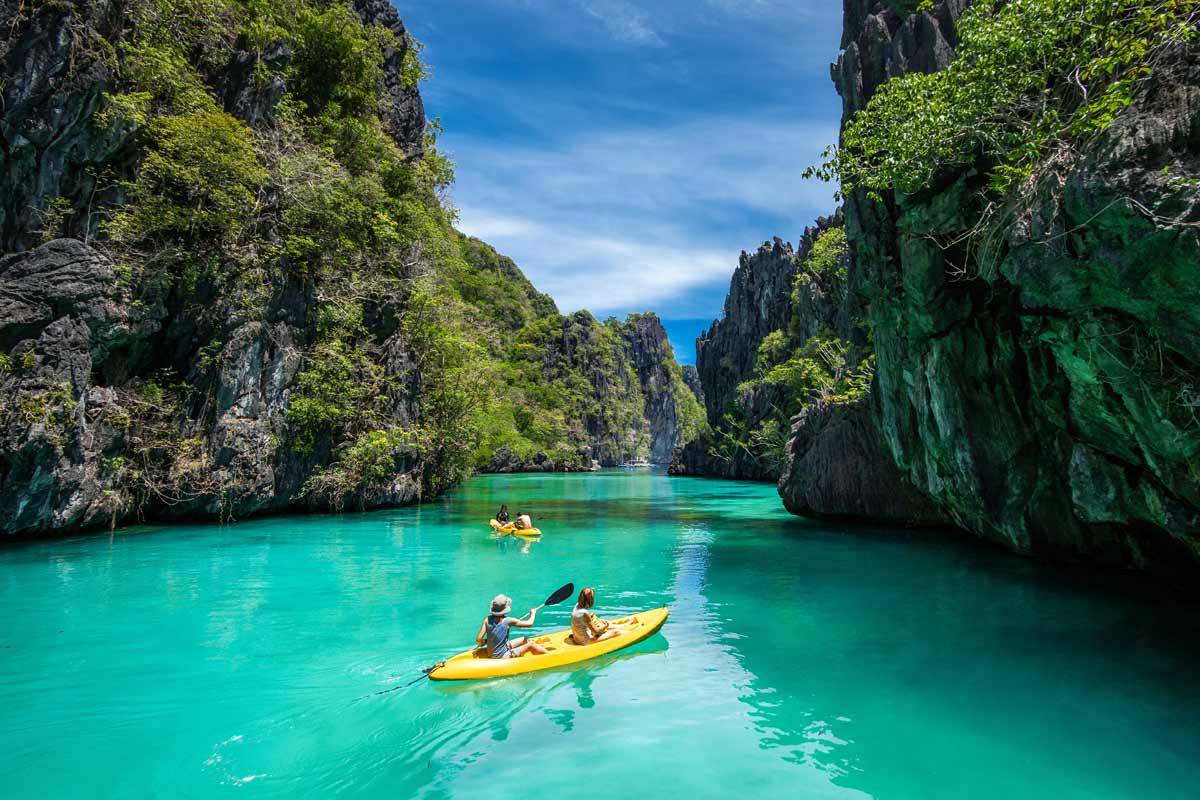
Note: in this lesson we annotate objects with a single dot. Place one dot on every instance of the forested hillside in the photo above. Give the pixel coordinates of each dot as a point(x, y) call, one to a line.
point(232, 282)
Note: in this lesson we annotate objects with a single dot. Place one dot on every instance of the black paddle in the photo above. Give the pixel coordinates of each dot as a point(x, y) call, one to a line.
point(560, 594)
point(563, 593)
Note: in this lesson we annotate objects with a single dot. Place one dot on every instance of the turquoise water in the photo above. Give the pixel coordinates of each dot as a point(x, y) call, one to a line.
point(799, 661)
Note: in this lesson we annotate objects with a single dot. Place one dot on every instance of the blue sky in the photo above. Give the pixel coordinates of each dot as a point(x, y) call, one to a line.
point(624, 152)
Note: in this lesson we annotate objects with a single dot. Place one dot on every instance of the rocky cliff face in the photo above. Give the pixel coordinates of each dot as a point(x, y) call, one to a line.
point(691, 377)
point(90, 433)
point(229, 286)
point(1049, 402)
point(760, 303)
point(402, 110)
point(659, 379)
point(614, 388)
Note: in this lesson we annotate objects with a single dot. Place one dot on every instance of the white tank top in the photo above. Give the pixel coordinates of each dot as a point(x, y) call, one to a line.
point(580, 631)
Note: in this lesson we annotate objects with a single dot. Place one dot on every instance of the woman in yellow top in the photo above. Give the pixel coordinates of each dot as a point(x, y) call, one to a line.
point(586, 627)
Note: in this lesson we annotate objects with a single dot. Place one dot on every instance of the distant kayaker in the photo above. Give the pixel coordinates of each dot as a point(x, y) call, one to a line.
point(586, 627)
point(494, 632)
point(523, 521)
point(502, 514)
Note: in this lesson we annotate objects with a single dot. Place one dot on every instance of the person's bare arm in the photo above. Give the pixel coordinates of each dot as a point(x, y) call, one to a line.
point(596, 625)
point(524, 623)
point(479, 637)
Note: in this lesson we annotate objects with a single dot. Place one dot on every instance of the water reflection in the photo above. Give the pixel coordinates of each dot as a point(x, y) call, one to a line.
point(713, 638)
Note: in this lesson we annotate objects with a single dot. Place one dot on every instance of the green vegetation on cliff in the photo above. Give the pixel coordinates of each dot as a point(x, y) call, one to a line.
point(795, 368)
point(1032, 80)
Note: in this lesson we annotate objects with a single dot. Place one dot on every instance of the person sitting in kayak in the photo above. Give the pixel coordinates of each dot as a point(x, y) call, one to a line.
point(502, 514)
point(586, 627)
point(494, 632)
point(523, 521)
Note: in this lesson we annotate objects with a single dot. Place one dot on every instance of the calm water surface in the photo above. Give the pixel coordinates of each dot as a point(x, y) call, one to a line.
point(799, 660)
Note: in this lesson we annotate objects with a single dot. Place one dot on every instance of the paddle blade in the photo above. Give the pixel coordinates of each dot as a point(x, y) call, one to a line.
point(562, 594)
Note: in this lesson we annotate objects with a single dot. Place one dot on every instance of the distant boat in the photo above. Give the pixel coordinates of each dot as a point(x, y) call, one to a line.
point(637, 463)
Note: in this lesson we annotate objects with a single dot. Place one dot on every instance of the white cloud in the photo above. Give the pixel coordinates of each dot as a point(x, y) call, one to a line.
point(624, 174)
point(623, 20)
point(581, 270)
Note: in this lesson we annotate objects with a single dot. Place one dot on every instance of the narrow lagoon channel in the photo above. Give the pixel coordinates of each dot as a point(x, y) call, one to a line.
point(800, 659)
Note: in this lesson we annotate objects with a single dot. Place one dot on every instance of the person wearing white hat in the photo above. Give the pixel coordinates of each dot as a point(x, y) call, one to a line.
point(493, 633)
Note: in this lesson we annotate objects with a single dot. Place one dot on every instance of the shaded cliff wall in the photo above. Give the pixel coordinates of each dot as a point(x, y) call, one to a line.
point(673, 413)
point(1046, 401)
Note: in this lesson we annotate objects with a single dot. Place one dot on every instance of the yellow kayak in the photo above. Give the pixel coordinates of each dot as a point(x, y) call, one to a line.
point(473, 664)
point(509, 529)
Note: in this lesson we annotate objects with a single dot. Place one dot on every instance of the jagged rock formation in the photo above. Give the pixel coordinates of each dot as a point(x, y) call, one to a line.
point(837, 468)
point(50, 94)
point(1047, 402)
point(659, 377)
point(619, 393)
point(691, 377)
point(402, 111)
point(89, 435)
point(758, 304)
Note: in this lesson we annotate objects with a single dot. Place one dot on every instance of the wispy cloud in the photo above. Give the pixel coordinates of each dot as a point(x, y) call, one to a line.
point(605, 275)
point(623, 20)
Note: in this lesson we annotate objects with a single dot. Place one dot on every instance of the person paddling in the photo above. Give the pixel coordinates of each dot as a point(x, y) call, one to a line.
point(586, 627)
point(493, 633)
point(502, 514)
point(523, 521)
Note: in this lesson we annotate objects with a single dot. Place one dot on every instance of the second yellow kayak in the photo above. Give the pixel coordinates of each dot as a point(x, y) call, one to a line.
point(508, 529)
point(474, 664)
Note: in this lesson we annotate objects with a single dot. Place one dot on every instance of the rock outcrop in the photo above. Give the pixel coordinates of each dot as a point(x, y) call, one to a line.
point(96, 427)
point(622, 394)
point(837, 468)
point(650, 354)
point(758, 304)
point(691, 377)
point(1046, 400)
point(62, 314)
point(52, 148)
point(403, 112)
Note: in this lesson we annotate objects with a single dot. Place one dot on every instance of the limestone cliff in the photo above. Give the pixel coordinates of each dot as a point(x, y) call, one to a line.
point(774, 307)
point(1045, 400)
point(126, 398)
point(596, 394)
